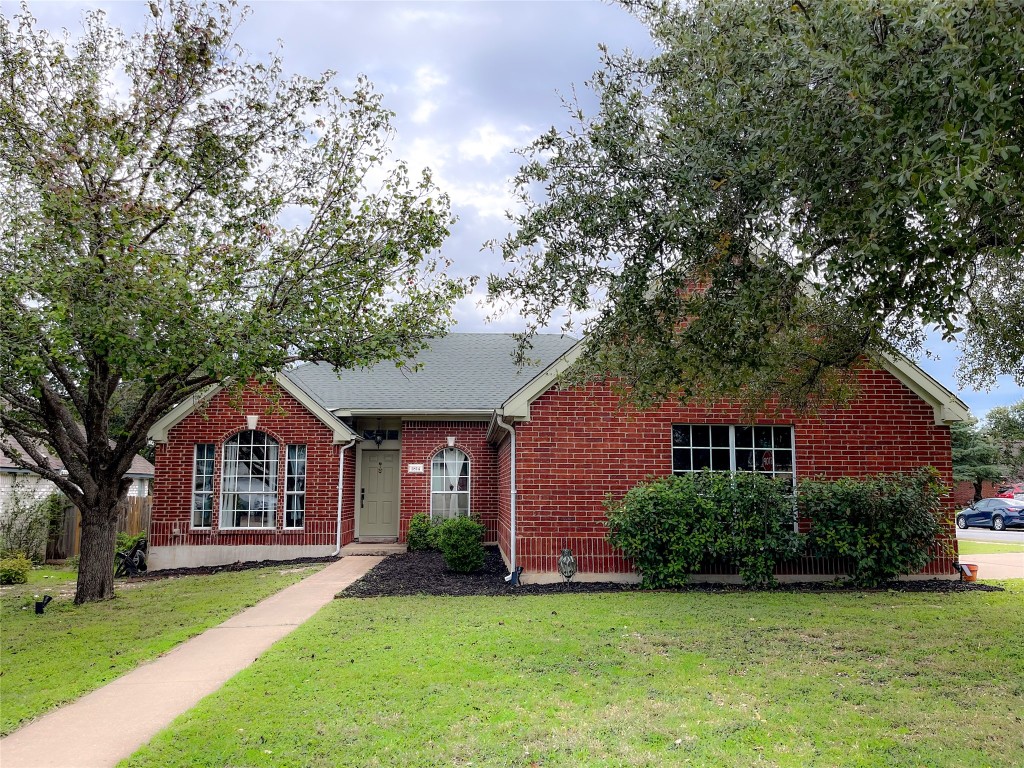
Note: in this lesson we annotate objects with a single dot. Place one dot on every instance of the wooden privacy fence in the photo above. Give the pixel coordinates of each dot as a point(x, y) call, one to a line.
point(132, 518)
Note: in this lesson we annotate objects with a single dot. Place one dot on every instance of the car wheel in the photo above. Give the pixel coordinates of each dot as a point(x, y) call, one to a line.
point(961, 521)
point(998, 524)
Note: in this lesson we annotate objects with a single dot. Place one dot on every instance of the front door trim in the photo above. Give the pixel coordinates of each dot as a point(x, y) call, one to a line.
point(391, 446)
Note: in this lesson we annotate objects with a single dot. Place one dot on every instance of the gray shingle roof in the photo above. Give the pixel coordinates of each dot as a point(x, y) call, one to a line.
point(461, 372)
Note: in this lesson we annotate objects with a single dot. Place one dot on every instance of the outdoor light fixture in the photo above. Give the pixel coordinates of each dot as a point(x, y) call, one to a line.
point(567, 565)
point(378, 436)
point(252, 421)
point(451, 441)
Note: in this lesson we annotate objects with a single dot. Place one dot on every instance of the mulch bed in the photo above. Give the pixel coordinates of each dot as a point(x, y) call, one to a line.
point(424, 573)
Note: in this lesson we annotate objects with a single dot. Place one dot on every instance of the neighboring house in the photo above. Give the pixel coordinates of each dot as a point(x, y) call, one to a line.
point(317, 460)
point(16, 480)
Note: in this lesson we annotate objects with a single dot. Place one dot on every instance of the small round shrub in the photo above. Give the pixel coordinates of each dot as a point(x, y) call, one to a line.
point(462, 544)
point(419, 532)
point(434, 535)
point(14, 569)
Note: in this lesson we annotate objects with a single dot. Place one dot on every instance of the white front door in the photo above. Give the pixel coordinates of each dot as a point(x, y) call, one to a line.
point(378, 495)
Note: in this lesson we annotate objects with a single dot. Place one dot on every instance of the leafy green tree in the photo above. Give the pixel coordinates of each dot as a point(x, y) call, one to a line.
point(783, 188)
point(975, 457)
point(1005, 426)
point(177, 214)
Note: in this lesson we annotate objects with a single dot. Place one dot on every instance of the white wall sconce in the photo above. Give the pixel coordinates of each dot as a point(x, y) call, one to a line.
point(252, 421)
point(451, 441)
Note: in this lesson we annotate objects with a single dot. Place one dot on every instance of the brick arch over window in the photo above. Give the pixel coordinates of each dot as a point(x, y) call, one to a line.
point(450, 478)
point(249, 480)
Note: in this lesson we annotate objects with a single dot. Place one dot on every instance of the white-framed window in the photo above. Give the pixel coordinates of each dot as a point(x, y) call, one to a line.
point(449, 484)
point(249, 481)
point(767, 450)
point(295, 487)
point(202, 485)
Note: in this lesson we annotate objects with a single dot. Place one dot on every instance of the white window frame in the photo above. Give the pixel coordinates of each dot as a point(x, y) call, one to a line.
point(226, 492)
point(208, 493)
point(290, 492)
point(732, 455)
point(469, 483)
point(733, 448)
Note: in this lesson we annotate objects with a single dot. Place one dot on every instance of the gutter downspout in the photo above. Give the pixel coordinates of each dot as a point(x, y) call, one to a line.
point(514, 574)
point(341, 485)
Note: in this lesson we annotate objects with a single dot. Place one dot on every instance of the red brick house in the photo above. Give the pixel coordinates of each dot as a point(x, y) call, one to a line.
point(319, 460)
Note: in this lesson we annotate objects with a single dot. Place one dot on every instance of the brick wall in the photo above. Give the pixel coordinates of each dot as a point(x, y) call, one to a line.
point(288, 422)
point(421, 440)
point(580, 446)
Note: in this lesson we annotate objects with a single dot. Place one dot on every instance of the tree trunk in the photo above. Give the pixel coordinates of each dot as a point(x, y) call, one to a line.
point(977, 490)
point(96, 561)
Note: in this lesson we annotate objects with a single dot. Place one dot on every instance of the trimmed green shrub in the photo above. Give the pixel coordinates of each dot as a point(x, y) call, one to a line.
point(757, 532)
point(14, 569)
point(434, 534)
point(418, 537)
point(461, 542)
point(886, 525)
point(669, 526)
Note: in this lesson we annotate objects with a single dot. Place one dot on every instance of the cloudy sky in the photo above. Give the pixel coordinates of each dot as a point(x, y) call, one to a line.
point(470, 82)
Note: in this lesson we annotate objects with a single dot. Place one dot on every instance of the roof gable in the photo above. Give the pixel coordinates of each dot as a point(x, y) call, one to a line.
point(342, 434)
point(947, 406)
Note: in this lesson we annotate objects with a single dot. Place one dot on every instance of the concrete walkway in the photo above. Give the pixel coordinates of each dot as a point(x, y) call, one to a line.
point(112, 722)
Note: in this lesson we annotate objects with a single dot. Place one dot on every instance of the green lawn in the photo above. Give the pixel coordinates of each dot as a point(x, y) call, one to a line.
point(642, 679)
point(987, 548)
point(51, 659)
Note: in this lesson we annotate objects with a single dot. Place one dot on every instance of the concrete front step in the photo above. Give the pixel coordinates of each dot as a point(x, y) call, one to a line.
point(370, 549)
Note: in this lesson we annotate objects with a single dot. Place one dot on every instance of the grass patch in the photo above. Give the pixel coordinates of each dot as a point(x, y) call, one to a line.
point(49, 660)
point(52, 576)
point(988, 548)
point(641, 679)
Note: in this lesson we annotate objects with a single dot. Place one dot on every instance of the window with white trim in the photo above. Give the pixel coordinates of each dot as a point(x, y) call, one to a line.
point(249, 481)
point(767, 450)
point(295, 487)
point(449, 484)
point(202, 485)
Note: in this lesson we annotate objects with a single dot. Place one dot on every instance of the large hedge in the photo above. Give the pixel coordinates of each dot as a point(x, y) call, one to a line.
point(887, 525)
point(669, 526)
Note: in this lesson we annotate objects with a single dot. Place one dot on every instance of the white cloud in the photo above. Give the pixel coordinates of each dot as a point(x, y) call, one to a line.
point(486, 143)
point(425, 80)
point(424, 109)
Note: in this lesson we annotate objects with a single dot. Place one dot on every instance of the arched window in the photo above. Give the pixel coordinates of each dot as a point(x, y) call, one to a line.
point(249, 481)
point(449, 484)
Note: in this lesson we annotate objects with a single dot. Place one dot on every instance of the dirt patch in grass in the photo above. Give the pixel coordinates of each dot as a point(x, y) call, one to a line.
point(424, 573)
point(168, 573)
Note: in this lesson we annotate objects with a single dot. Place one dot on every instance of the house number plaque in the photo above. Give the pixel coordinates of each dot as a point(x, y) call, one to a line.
point(415, 469)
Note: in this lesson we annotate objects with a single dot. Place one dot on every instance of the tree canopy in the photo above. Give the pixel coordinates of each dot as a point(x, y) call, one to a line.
point(975, 457)
point(178, 213)
point(1005, 427)
point(782, 189)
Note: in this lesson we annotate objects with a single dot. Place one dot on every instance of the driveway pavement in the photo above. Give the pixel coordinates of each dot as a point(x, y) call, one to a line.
point(109, 724)
point(1002, 566)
